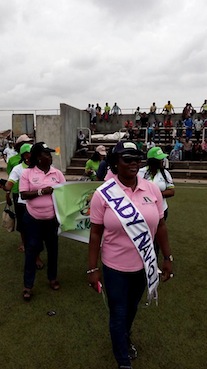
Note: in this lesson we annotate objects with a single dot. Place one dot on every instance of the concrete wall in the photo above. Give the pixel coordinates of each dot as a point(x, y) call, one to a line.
point(61, 131)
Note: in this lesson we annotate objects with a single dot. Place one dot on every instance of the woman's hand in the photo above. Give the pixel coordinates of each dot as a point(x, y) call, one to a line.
point(47, 190)
point(93, 279)
point(167, 272)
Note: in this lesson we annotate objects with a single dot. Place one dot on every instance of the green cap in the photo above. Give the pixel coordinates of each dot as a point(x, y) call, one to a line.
point(156, 153)
point(25, 148)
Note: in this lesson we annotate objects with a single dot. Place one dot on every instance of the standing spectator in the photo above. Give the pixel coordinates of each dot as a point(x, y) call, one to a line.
point(198, 127)
point(88, 109)
point(93, 118)
point(116, 109)
point(197, 151)
point(9, 151)
point(150, 144)
point(187, 149)
point(98, 112)
point(123, 263)
point(189, 127)
point(168, 109)
point(40, 223)
point(137, 118)
point(106, 114)
point(152, 112)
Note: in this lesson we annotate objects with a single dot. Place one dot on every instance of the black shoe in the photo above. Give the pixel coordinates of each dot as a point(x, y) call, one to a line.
point(132, 351)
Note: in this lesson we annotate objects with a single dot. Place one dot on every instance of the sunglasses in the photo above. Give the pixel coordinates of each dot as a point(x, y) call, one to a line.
point(128, 159)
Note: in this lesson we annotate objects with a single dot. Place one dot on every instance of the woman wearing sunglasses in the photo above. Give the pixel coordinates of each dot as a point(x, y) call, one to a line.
point(126, 214)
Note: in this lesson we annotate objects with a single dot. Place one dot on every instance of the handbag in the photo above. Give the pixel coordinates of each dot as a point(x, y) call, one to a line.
point(8, 218)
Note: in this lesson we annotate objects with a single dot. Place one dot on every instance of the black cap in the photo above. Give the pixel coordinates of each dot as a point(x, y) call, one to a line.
point(127, 148)
point(40, 147)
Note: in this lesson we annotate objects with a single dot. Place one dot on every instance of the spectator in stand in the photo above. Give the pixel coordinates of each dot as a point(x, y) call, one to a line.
point(82, 143)
point(168, 125)
point(187, 149)
point(156, 130)
point(188, 111)
point(152, 112)
point(179, 125)
point(106, 114)
point(9, 151)
point(168, 109)
point(150, 144)
point(189, 127)
point(197, 151)
point(13, 161)
point(92, 164)
point(129, 127)
point(137, 118)
point(203, 109)
point(98, 112)
point(143, 124)
point(204, 148)
point(198, 127)
point(88, 109)
point(176, 153)
point(116, 109)
point(93, 119)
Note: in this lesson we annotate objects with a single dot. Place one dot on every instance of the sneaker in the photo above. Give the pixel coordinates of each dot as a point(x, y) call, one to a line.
point(125, 367)
point(132, 352)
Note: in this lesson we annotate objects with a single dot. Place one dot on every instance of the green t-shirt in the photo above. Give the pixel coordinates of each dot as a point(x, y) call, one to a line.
point(92, 166)
point(13, 161)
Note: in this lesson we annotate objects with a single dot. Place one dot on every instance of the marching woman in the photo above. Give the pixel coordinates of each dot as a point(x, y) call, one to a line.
point(40, 223)
point(126, 214)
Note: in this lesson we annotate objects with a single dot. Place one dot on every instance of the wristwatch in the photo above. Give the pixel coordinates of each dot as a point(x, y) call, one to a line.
point(169, 258)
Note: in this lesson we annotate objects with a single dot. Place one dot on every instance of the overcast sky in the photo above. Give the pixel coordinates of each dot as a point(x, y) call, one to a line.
point(77, 52)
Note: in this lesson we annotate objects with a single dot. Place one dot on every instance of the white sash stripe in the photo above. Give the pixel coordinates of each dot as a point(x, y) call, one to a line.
point(136, 228)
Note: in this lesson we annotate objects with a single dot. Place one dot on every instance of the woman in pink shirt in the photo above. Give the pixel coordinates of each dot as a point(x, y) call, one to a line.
point(40, 223)
point(126, 213)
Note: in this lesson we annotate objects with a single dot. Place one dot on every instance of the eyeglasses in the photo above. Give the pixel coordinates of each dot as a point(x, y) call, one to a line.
point(128, 159)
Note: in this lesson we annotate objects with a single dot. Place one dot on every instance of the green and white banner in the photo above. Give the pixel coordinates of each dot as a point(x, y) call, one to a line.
point(72, 208)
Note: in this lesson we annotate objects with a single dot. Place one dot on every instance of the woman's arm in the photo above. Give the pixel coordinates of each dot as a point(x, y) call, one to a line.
point(169, 192)
point(163, 241)
point(29, 195)
point(93, 257)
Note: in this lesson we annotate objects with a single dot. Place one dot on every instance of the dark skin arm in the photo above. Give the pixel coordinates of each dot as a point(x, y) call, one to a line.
point(163, 241)
point(170, 192)
point(29, 195)
point(94, 252)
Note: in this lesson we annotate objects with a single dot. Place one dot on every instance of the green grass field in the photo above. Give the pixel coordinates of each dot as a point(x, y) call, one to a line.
point(170, 336)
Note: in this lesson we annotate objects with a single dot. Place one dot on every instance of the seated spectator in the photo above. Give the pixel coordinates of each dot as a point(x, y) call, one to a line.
point(92, 164)
point(189, 127)
point(176, 153)
point(204, 149)
point(156, 130)
point(179, 125)
point(197, 151)
point(150, 144)
point(168, 128)
point(143, 124)
point(198, 127)
point(187, 149)
point(140, 146)
point(129, 127)
point(82, 144)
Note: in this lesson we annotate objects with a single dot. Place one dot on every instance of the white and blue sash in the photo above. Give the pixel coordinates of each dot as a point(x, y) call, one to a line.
point(136, 228)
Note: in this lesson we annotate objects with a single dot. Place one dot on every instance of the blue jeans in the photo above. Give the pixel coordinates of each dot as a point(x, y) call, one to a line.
point(36, 231)
point(124, 291)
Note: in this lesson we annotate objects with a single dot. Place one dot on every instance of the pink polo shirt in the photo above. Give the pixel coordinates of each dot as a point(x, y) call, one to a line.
point(118, 251)
point(33, 179)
